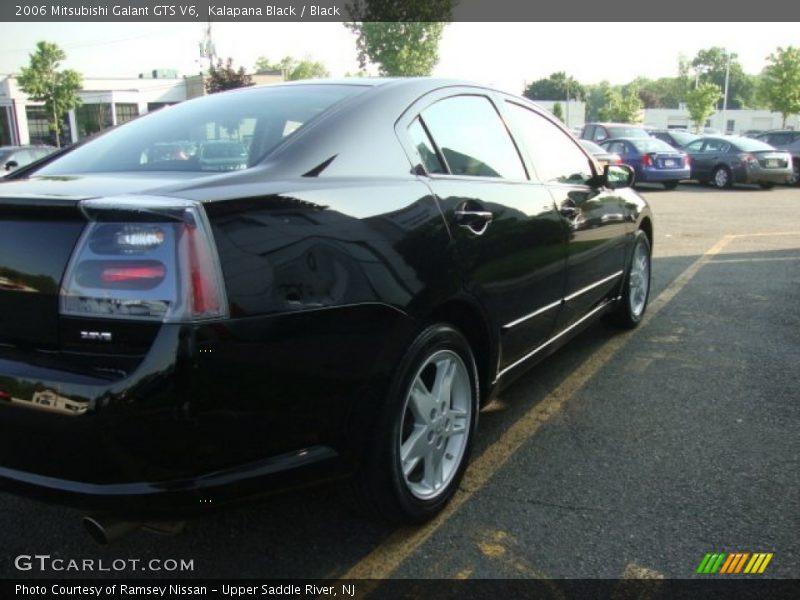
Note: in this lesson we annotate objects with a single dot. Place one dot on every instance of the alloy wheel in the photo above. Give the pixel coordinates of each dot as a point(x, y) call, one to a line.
point(437, 415)
point(639, 279)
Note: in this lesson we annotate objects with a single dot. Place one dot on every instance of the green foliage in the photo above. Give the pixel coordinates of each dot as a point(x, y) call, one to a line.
point(701, 103)
point(596, 99)
point(401, 38)
point(294, 69)
point(558, 113)
point(559, 85)
point(625, 107)
point(710, 65)
point(223, 77)
point(43, 82)
point(780, 82)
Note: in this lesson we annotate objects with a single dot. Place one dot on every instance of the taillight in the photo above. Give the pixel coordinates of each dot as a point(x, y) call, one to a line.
point(144, 258)
point(687, 161)
point(647, 160)
point(749, 158)
point(617, 159)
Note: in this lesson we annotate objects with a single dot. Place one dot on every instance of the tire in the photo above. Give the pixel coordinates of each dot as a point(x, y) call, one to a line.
point(636, 287)
point(670, 185)
point(794, 178)
point(421, 443)
point(722, 178)
point(766, 186)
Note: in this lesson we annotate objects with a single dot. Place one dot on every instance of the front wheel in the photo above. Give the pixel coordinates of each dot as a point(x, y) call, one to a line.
point(636, 288)
point(421, 444)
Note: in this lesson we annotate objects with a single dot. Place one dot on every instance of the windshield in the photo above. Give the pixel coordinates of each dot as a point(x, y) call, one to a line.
point(627, 132)
point(750, 145)
point(221, 132)
point(652, 145)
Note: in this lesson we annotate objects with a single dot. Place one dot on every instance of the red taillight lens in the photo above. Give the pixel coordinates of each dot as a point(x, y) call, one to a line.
point(132, 273)
point(617, 159)
point(144, 258)
point(687, 161)
point(647, 160)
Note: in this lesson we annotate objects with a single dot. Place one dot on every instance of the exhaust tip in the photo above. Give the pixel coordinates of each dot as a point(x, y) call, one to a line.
point(105, 530)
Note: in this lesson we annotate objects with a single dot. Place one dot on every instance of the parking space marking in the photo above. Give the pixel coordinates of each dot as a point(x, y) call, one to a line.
point(385, 558)
point(723, 261)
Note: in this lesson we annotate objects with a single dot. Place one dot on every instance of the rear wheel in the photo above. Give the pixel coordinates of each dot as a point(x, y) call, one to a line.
point(722, 177)
point(670, 185)
point(421, 443)
point(636, 289)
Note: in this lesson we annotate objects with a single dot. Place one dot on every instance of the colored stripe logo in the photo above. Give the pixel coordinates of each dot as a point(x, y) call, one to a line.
point(734, 563)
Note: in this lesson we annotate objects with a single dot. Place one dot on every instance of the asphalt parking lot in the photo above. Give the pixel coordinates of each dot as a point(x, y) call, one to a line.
point(623, 455)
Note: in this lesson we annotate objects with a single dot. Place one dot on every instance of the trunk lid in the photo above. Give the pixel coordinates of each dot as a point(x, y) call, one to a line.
point(37, 237)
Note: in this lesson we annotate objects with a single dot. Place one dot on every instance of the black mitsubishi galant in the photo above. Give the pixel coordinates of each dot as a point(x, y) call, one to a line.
point(285, 285)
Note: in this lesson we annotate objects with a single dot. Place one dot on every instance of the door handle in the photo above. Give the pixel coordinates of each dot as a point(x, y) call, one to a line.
point(612, 218)
point(475, 220)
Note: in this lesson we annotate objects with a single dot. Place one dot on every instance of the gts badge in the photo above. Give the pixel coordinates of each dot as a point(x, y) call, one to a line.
point(96, 336)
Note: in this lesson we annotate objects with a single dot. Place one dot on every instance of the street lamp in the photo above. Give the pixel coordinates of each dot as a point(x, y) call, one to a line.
point(724, 127)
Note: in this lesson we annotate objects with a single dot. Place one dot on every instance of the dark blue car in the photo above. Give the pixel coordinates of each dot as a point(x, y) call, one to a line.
point(653, 160)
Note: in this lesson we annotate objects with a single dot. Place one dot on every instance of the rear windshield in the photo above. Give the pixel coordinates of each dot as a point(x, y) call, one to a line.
point(683, 137)
point(750, 145)
point(652, 145)
point(592, 147)
point(627, 132)
point(222, 132)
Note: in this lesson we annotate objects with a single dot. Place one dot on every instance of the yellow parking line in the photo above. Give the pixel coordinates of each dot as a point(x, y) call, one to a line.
point(385, 558)
point(765, 234)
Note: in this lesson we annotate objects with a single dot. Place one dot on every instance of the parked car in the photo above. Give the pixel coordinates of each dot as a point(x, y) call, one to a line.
point(599, 132)
point(600, 154)
point(394, 253)
point(724, 161)
point(677, 138)
point(788, 140)
point(652, 160)
point(13, 157)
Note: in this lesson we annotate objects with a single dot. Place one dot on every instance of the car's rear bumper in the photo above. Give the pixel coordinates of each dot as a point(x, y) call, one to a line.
point(661, 175)
point(218, 412)
point(761, 175)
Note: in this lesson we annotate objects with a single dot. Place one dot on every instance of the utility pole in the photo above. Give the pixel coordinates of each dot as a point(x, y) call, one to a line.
point(207, 49)
point(724, 127)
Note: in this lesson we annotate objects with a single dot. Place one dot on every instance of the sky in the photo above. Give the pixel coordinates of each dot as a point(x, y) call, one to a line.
point(503, 55)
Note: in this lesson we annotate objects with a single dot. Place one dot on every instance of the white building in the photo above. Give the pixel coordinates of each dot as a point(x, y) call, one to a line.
point(573, 112)
point(105, 102)
point(732, 121)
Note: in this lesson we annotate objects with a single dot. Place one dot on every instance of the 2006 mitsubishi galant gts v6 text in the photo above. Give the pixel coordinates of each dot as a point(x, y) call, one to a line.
point(277, 286)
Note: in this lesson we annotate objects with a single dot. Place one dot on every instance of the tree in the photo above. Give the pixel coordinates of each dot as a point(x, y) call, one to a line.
point(625, 107)
point(596, 99)
point(294, 69)
point(701, 103)
point(710, 66)
point(224, 77)
point(556, 87)
point(401, 38)
point(43, 82)
point(780, 82)
point(557, 112)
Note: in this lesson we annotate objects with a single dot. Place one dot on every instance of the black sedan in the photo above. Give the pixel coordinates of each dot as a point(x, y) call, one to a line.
point(386, 256)
point(724, 161)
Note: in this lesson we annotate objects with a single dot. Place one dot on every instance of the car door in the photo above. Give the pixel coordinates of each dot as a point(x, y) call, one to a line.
point(593, 218)
point(508, 236)
point(701, 168)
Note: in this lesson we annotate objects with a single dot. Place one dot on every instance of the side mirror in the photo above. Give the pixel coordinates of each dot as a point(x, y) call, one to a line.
point(618, 176)
point(11, 165)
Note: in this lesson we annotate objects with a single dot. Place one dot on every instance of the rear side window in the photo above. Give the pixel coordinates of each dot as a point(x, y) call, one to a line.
point(473, 138)
point(555, 156)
